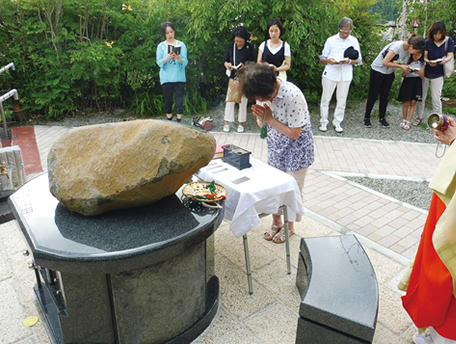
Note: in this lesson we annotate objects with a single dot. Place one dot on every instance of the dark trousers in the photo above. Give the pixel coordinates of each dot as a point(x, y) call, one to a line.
point(176, 89)
point(379, 84)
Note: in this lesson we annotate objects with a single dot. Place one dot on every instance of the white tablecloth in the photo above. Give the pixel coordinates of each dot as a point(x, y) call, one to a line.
point(260, 189)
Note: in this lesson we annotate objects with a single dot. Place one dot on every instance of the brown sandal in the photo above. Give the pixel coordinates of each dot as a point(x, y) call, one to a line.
point(418, 121)
point(279, 238)
point(271, 232)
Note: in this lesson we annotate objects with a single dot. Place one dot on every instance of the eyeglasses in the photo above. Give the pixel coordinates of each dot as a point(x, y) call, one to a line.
point(345, 31)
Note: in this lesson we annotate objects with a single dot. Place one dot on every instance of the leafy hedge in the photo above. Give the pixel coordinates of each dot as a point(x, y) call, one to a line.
point(78, 55)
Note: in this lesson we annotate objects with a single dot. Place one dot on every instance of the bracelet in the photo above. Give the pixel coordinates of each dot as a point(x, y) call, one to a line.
point(451, 142)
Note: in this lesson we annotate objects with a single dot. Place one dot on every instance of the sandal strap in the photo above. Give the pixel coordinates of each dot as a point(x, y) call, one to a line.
point(417, 121)
point(272, 232)
point(280, 237)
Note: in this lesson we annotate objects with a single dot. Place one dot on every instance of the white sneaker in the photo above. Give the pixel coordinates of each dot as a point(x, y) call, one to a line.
point(226, 128)
point(240, 129)
point(338, 128)
point(323, 127)
point(422, 338)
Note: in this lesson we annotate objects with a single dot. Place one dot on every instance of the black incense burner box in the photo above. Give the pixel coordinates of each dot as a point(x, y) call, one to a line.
point(236, 156)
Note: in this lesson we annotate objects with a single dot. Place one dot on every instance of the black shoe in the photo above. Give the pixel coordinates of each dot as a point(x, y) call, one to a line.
point(384, 123)
point(367, 123)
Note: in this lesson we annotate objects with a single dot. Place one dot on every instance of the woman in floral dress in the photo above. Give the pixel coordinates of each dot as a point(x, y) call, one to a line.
point(282, 107)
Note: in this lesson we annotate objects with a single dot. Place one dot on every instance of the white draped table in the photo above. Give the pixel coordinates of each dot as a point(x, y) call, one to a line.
point(252, 192)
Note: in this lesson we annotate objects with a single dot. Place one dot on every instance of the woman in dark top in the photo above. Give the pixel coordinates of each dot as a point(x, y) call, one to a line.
point(237, 54)
point(433, 73)
point(274, 51)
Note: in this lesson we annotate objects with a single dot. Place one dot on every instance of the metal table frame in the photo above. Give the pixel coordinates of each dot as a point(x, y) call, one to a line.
point(283, 208)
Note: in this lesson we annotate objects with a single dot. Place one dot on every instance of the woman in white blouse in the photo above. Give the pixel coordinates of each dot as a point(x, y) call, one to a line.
point(274, 51)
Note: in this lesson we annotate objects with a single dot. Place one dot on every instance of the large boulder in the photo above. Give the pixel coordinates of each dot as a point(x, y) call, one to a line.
point(100, 168)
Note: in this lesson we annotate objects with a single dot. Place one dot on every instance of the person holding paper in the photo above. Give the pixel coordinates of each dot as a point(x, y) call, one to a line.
point(340, 53)
point(172, 60)
point(274, 51)
point(439, 50)
point(393, 56)
point(238, 52)
point(411, 88)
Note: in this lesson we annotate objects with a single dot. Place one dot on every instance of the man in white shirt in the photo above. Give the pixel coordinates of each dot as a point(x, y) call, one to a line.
point(340, 53)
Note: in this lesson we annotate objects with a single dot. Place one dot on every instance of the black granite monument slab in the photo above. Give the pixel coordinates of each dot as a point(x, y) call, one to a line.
point(141, 275)
point(338, 290)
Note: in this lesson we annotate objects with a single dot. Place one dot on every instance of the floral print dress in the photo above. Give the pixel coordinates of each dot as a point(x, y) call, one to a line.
point(290, 107)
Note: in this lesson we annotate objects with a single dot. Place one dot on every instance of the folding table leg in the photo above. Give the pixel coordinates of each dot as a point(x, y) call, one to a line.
point(247, 264)
point(287, 237)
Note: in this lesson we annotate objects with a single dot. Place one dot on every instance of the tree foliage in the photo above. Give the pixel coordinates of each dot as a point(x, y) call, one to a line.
point(81, 55)
point(307, 25)
point(387, 10)
point(424, 15)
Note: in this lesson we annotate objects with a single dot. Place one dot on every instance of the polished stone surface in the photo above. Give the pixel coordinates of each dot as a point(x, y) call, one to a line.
point(142, 275)
point(113, 242)
point(339, 291)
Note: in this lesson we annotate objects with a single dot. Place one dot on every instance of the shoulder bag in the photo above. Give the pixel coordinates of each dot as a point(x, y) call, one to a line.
point(234, 92)
point(283, 73)
point(448, 67)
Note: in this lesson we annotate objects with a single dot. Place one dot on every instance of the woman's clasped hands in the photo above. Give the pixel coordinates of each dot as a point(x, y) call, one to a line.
point(260, 113)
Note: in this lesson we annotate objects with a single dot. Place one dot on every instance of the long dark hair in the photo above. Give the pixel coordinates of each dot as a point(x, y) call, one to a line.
point(166, 25)
point(421, 59)
point(438, 26)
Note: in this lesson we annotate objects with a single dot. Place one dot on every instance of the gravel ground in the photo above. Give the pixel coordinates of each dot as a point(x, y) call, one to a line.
point(352, 124)
point(414, 193)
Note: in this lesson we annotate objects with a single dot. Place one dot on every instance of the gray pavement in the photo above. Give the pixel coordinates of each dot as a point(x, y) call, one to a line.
point(388, 229)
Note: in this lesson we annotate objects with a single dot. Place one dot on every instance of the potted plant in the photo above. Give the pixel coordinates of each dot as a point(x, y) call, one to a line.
point(19, 114)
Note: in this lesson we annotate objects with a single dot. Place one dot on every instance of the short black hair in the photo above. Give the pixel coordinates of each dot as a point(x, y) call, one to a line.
point(240, 31)
point(166, 25)
point(279, 24)
point(258, 80)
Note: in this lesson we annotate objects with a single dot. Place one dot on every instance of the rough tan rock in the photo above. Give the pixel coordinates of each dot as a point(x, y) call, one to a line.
point(100, 168)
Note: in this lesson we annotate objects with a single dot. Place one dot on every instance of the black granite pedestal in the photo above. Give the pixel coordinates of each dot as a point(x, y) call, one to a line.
point(338, 290)
point(142, 275)
point(5, 210)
